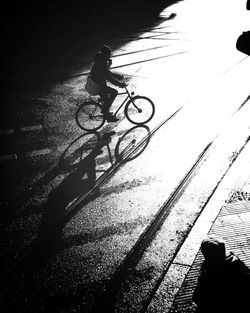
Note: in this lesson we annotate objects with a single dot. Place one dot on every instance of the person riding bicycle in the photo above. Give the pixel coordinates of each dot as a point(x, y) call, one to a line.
point(100, 74)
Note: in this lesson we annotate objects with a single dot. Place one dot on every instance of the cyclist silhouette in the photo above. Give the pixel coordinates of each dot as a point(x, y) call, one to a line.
point(100, 74)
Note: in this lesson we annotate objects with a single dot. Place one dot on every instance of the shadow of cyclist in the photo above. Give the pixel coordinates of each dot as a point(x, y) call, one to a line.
point(58, 210)
point(77, 183)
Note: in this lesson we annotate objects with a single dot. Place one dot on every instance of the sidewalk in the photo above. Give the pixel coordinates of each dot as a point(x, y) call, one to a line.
point(232, 224)
point(227, 214)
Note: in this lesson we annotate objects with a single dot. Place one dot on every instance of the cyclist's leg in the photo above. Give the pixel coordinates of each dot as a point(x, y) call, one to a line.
point(108, 95)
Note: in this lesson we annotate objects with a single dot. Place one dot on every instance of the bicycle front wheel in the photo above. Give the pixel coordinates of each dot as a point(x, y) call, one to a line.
point(139, 110)
point(89, 116)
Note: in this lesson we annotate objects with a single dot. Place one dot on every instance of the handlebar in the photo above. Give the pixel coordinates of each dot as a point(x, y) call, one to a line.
point(127, 91)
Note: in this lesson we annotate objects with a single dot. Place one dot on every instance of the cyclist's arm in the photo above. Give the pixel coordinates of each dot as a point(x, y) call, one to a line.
point(113, 80)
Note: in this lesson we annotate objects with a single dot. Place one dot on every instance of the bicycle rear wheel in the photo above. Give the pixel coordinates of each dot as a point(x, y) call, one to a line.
point(139, 110)
point(79, 149)
point(89, 116)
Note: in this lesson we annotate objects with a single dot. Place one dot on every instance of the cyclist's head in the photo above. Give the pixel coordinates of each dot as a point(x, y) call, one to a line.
point(106, 50)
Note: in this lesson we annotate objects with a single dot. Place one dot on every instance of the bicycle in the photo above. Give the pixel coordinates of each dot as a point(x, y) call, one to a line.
point(138, 110)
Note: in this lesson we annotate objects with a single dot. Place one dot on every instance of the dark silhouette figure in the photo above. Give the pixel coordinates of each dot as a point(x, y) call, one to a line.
point(243, 41)
point(224, 283)
point(100, 74)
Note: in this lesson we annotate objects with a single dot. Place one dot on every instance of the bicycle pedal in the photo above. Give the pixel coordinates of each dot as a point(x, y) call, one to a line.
point(112, 119)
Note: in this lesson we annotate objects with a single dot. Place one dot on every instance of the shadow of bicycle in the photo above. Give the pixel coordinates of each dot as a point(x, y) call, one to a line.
point(85, 159)
point(128, 147)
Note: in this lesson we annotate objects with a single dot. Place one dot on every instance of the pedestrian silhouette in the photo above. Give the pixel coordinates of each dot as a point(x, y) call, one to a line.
point(223, 285)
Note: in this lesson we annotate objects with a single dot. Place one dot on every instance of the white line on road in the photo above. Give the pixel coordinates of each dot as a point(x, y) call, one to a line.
point(9, 131)
point(28, 128)
point(37, 152)
point(8, 157)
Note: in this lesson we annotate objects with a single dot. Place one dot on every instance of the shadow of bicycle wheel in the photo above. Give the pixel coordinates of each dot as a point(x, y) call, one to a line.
point(132, 143)
point(79, 149)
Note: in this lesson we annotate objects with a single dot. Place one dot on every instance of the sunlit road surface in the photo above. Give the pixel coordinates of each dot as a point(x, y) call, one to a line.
point(193, 69)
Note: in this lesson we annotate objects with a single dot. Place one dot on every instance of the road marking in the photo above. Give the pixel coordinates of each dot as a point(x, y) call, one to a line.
point(7, 131)
point(140, 51)
point(148, 60)
point(37, 152)
point(28, 128)
point(62, 148)
point(8, 157)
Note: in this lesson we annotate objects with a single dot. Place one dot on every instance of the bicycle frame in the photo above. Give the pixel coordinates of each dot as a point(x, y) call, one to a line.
point(125, 100)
